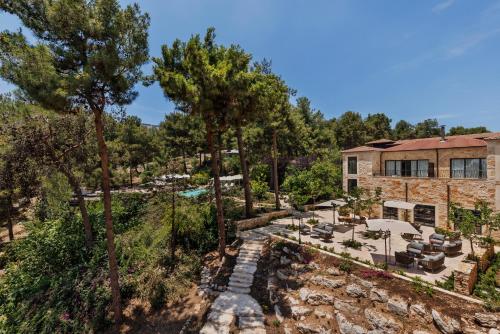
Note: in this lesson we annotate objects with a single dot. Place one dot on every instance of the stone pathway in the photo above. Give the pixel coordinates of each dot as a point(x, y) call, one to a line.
point(235, 306)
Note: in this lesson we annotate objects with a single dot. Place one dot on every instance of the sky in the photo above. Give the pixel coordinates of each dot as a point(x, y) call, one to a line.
point(409, 59)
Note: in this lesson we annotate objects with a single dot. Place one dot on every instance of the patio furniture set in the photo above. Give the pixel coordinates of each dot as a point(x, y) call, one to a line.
point(430, 255)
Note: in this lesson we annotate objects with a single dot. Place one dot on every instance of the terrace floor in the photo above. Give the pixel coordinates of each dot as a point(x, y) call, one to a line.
point(372, 250)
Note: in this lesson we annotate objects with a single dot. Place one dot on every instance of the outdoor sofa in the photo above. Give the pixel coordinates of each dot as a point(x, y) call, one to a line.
point(432, 262)
point(451, 248)
point(324, 231)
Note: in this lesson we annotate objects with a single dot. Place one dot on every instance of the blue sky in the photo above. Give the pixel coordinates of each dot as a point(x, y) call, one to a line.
point(409, 59)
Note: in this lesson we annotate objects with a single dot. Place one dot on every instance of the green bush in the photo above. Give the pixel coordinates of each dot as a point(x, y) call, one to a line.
point(486, 285)
point(352, 243)
point(259, 189)
point(448, 283)
point(200, 178)
point(261, 172)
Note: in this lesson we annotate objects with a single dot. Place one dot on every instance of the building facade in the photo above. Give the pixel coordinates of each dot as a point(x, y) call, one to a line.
point(429, 172)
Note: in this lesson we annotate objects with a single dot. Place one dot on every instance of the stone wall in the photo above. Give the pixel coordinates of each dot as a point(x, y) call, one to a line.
point(465, 277)
point(260, 220)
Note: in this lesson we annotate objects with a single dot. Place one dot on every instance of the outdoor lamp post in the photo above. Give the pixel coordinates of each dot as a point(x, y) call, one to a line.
point(300, 224)
point(334, 207)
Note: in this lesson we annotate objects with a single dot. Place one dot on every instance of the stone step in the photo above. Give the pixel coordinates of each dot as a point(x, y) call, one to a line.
point(220, 318)
point(242, 276)
point(247, 262)
point(251, 322)
point(249, 253)
point(250, 269)
point(238, 290)
point(239, 284)
point(253, 331)
point(211, 328)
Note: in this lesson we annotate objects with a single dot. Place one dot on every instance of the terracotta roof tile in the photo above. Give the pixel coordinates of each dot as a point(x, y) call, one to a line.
point(462, 141)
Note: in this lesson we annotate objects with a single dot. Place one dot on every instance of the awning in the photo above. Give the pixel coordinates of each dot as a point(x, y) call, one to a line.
point(395, 226)
point(399, 205)
point(331, 203)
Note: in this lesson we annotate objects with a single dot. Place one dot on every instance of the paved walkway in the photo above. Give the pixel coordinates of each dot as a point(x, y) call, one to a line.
point(235, 307)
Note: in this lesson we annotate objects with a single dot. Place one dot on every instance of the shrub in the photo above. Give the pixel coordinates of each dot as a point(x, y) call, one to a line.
point(346, 266)
point(261, 172)
point(313, 221)
point(448, 283)
point(485, 287)
point(200, 178)
point(371, 273)
point(259, 189)
point(421, 286)
point(352, 243)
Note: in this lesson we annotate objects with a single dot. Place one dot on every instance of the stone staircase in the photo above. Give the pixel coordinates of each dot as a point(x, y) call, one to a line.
point(235, 307)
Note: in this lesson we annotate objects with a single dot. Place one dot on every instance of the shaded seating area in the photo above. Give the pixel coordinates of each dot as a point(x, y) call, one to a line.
point(432, 262)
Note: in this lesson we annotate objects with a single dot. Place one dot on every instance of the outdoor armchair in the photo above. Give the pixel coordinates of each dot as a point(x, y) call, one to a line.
point(415, 248)
point(452, 248)
point(436, 239)
point(432, 262)
point(404, 258)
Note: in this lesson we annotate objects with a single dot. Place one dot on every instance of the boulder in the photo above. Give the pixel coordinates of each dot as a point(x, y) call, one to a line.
point(344, 306)
point(364, 283)
point(306, 328)
point(379, 295)
point(299, 311)
point(315, 298)
point(398, 306)
point(281, 275)
point(355, 290)
point(446, 325)
point(486, 320)
point(334, 271)
point(419, 310)
point(381, 322)
point(322, 314)
point(493, 331)
point(285, 261)
point(347, 327)
point(420, 332)
point(279, 314)
point(328, 283)
point(292, 300)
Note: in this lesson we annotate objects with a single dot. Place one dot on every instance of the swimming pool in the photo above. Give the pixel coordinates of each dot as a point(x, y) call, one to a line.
point(193, 193)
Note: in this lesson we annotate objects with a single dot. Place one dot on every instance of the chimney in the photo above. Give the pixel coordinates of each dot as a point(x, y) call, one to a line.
point(443, 133)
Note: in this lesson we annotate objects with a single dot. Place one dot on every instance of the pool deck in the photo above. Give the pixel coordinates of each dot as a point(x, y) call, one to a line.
point(371, 250)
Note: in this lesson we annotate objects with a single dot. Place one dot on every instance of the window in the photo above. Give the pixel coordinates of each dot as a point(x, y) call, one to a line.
point(390, 213)
point(468, 168)
point(413, 168)
point(425, 214)
point(352, 165)
point(351, 184)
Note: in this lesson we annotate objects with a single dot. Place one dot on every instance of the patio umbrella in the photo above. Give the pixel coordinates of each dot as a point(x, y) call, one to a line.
point(400, 205)
point(333, 203)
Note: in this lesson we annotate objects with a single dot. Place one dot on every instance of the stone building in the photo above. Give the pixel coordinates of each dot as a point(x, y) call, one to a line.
point(429, 172)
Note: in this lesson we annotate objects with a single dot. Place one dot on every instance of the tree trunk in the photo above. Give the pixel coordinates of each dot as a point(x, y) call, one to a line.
point(244, 171)
point(110, 237)
point(173, 240)
point(89, 239)
point(130, 175)
point(275, 171)
point(218, 190)
point(200, 163)
point(10, 227)
point(184, 164)
point(472, 249)
point(219, 152)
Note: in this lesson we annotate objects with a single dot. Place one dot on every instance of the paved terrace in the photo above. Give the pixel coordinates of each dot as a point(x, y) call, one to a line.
point(372, 250)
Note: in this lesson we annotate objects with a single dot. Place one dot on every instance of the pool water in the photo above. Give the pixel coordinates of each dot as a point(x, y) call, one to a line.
point(193, 193)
